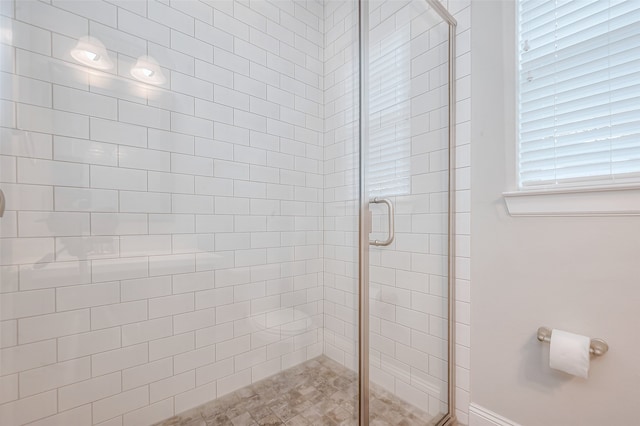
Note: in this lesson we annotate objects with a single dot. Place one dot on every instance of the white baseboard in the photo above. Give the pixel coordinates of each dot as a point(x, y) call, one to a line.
point(480, 416)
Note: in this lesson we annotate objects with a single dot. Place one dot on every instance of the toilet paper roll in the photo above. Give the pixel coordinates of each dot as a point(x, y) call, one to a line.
point(569, 352)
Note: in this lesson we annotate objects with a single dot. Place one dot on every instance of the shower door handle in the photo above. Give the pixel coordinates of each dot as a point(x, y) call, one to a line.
point(2, 203)
point(392, 232)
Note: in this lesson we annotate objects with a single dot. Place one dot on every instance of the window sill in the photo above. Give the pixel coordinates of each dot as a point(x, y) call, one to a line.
point(602, 201)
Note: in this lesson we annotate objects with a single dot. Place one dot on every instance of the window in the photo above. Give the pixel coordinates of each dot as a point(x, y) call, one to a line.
point(579, 92)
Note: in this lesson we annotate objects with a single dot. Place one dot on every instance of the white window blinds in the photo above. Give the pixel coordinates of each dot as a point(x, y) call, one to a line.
point(579, 92)
point(390, 115)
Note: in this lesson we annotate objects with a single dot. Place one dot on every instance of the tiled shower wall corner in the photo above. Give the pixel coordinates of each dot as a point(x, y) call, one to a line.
point(162, 246)
point(341, 205)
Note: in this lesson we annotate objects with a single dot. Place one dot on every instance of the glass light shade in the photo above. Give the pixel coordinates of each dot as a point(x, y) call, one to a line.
point(91, 52)
point(147, 70)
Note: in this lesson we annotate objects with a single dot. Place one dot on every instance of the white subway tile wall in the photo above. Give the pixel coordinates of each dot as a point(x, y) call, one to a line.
point(341, 176)
point(165, 245)
point(162, 245)
point(461, 9)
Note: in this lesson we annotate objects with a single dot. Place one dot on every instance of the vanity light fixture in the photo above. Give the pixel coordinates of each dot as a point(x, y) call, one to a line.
point(91, 52)
point(147, 70)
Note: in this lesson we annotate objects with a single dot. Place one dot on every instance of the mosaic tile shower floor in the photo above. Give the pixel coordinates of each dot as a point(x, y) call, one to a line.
point(317, 392)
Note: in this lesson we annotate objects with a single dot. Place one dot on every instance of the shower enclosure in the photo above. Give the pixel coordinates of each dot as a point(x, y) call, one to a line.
point(226, 212)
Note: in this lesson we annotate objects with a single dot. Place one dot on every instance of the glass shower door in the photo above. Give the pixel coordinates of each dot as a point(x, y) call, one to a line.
point(406, 182)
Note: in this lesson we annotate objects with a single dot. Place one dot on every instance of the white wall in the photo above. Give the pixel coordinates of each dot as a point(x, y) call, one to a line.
point(578, 274)
point(162, 246)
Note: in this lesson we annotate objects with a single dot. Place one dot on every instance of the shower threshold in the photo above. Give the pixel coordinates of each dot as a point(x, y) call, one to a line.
point(316, 392)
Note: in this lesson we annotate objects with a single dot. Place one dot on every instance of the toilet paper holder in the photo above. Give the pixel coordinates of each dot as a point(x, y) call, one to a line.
point(598, 347)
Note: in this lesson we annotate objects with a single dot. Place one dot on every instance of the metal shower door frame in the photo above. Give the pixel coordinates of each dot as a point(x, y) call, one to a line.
point(364, 217)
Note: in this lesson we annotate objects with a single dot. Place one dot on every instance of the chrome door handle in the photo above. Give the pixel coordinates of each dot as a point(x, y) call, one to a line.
point(392, 232)
point(2, 203)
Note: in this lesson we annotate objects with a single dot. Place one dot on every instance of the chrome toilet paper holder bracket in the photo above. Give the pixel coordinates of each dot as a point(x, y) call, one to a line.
point(598, 347)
